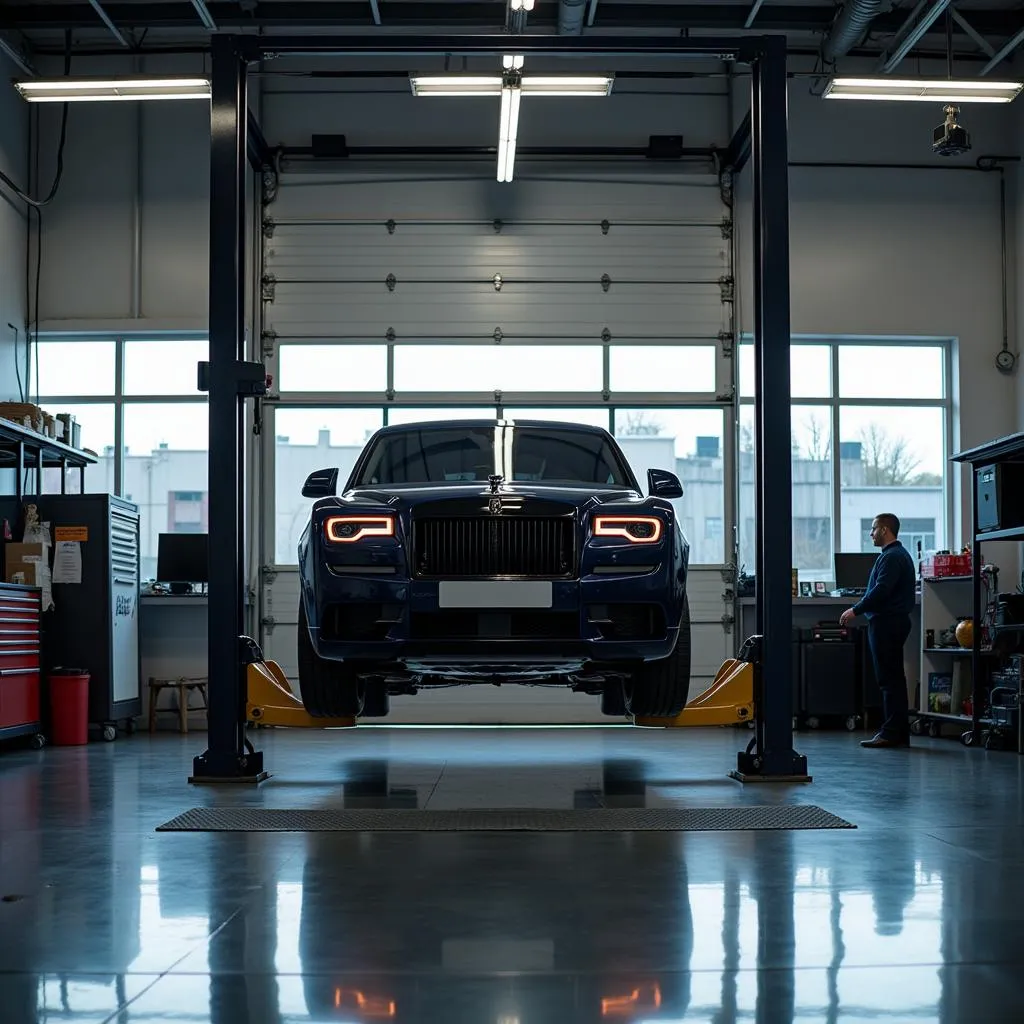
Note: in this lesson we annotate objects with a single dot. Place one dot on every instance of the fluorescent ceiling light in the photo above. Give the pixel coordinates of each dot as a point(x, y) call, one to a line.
point(535, 85)
point(508, 129)
point(136, 87)
point(522, 5)
point(567, 85)
point(972, 90)
point(512, 62)
point(456, 85)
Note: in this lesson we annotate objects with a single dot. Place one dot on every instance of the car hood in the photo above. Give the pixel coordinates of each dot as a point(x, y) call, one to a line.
point(465, 499)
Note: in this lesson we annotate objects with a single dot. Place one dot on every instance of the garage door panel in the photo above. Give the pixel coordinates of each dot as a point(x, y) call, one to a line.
point(453, 253)
point(691, 198)
point(425, 311)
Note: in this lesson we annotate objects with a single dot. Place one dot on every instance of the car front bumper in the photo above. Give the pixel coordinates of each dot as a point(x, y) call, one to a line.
point(593, 620)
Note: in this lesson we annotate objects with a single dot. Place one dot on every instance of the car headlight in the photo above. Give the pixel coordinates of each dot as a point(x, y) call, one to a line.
point(636, 529)
point(349, 529)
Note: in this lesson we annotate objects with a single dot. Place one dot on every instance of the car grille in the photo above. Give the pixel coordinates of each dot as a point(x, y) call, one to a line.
point(487, 546)
point(509, 625)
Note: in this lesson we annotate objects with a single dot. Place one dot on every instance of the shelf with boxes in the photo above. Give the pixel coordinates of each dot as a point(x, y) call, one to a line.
point(24, 448)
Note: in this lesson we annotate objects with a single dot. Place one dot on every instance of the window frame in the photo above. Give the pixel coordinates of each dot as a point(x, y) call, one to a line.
point(117, 396)
point(836, 402)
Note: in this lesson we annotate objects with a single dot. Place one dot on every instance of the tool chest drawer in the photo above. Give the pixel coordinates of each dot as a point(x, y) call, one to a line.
point(20, 658)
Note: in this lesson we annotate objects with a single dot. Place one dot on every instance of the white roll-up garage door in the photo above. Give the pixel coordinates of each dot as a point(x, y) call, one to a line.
point(607, 301)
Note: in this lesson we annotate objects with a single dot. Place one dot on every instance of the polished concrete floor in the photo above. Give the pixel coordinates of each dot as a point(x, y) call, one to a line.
point(918, 915)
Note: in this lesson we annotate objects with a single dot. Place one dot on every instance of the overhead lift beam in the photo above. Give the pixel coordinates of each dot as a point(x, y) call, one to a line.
point(230, 757)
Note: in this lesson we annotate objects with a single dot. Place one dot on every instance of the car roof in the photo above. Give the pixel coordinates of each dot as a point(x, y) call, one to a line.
point(396, 428)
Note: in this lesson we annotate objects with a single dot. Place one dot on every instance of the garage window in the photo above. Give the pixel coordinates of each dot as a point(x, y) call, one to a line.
point(871, 432)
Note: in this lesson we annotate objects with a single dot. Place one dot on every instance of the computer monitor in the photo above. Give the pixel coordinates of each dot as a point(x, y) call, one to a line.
point(853, 569)
point(182, 559)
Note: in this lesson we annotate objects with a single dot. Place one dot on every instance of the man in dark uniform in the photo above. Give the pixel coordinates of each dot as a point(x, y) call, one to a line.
point(887, 604)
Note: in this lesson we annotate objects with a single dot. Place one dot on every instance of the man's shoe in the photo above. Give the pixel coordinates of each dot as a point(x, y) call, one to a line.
point(883, 741)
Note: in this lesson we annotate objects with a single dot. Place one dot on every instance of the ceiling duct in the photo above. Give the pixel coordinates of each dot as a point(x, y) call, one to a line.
point(570, 17)
point(850, 27)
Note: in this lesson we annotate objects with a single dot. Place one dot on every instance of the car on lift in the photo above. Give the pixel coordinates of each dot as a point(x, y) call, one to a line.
point(493, 551)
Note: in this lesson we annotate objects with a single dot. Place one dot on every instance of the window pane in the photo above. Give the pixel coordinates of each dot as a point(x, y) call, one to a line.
point(893, 460)
point(334, 368)
point(163, 367)
point(688, 442)
point(307, 440)
point(891, 371)
point(165, 470)
point(662, 368)
point(96, 423)
point(811, 469)
point(75, 368)
point(810, 373)
point(498, 368)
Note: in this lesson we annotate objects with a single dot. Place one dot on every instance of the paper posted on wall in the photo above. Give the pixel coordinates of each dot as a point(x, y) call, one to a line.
point(67, 562)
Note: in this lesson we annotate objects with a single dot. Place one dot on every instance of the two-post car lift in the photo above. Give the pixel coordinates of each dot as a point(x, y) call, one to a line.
point(230, 378)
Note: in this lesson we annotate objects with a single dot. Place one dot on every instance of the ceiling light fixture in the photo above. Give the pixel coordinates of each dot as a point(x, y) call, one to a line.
point(933, 90)
point(134, 87)
point(567, 85)
point(456, 85)
point(508, 129)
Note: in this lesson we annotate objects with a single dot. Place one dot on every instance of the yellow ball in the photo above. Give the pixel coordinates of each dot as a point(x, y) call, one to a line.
point(965, 633)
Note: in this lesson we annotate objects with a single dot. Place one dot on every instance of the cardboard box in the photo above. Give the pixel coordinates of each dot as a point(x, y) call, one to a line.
point(31, 559)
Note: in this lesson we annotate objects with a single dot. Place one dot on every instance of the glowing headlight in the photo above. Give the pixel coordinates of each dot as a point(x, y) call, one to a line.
point(637, 529)
point(349, 529)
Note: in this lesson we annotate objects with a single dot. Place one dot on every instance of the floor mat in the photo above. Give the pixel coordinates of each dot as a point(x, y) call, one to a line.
point(612, 819)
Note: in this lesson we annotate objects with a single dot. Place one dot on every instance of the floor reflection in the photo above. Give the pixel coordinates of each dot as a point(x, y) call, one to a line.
point(113, 922)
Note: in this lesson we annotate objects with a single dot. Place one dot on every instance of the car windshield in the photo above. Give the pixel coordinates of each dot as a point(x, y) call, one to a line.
point(432, 455)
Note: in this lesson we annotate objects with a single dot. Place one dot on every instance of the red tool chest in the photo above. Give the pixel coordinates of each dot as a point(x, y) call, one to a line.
point(20, 663)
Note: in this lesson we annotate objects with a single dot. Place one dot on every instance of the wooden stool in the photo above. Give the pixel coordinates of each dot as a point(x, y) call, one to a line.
point(184, 688)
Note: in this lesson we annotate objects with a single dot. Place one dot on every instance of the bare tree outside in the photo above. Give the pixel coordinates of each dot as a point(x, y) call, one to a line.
point(638, 424)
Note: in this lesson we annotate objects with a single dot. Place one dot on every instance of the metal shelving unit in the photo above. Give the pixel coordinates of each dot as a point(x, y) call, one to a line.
point(21, 449)
point(999, 451)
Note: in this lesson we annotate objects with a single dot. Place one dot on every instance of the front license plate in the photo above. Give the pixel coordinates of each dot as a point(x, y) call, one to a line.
point(494, 594)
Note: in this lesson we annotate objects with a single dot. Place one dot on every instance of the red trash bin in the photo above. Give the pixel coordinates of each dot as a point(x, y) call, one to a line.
point(69, 707)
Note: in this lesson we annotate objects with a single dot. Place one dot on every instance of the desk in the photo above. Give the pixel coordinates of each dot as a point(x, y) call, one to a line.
point(172, 642)
point(808, 611)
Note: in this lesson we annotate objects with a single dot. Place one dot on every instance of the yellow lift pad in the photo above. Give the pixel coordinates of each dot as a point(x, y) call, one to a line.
point(270, 701)
point(729, 700)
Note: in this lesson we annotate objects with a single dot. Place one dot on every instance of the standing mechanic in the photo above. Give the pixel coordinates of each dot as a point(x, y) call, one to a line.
point(887, 604)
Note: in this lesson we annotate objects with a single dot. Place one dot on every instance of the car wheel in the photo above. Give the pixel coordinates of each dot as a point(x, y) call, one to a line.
point(328, 689)
point(660, 689)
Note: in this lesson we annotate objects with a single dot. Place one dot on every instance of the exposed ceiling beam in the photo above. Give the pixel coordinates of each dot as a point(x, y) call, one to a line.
point(753, 13)
point(1005, 52)
point(375, 11)
point(296, 14)
point(913, 37)
point(591, 13)
point(204, 15)
point(982, 43)
point(105, 18)
point(18, 53)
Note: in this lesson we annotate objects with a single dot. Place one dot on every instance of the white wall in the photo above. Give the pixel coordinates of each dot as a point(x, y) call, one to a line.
point(90, 274)
point(14, 163)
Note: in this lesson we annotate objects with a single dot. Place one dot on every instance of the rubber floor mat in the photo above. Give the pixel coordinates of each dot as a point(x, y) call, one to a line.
point(612, 819)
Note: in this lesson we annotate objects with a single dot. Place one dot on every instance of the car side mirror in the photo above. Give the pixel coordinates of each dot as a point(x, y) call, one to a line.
point(321, 484)
point(663, 484)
